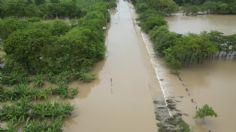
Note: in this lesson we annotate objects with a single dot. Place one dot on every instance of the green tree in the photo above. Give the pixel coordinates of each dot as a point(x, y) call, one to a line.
point(9, 25)
point(26, 48)
point(39, 2)
point(165, 6)
point(205, 111)
point(163, 39)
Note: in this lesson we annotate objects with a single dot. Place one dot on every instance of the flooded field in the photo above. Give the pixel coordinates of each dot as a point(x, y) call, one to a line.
point(120, 99)
point(196, 24)
point(131, 76)
point(212, 83)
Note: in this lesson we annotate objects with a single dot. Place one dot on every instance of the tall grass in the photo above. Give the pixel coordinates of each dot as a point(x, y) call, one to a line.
point(26, 114)
point(23, 91)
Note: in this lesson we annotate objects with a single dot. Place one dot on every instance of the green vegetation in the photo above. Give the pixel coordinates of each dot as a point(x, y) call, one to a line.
point(35, 93)
point(25, 115)
point(2, 54)
point(205, 111)
point(193, 7)
point(162, 6)
point(46, 42)
point(61, 51)
point(40, 8)
point(180, 50)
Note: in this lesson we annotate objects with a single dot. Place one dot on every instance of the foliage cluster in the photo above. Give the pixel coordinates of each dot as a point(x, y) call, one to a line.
point(36, 93)
point(27, 115)
point(40, 8)
point(192, 7)
point(29, 108)
point(164, 6)
point(205, 111)
point(38, 50)
point(180, 50)
point(53, 48)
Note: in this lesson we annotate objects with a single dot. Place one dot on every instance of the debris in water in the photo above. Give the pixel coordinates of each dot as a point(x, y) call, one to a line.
point(168, 123)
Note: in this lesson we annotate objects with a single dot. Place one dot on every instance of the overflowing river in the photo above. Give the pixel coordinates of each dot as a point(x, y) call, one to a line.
point(196, 24)
point(120, 100)
point(213, 83)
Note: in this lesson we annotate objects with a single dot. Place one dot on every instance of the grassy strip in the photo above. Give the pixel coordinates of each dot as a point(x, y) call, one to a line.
point(25, 111)
point(23, 91)
point(25, 114)
point(38, 126)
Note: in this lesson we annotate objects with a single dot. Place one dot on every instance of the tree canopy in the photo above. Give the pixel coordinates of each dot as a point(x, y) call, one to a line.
point(192, 7)
point(54, 47)
point(55, 41)
point(179, 50)
point(40, 8)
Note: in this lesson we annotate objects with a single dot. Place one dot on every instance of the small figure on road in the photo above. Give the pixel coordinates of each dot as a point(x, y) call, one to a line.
point(111, 81)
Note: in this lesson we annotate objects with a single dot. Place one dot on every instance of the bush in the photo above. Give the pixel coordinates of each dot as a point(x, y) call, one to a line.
point(11, 24)
point(150, 19)
point(205, 111)
point(163, 39)
point(25, 8)
point(38, 80)
point(26, 47)
point(45, 126)
point(24, 111)
point(53, 47)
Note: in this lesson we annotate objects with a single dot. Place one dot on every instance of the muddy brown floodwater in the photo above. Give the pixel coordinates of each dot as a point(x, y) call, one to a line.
point(213, 83)
point(120, 100)
point(196, 24)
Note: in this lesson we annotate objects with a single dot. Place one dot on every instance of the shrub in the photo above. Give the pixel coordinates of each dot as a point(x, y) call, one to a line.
point(205, 111)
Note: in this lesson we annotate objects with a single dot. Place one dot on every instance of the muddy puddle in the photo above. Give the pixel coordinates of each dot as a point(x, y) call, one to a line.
point(121, 98)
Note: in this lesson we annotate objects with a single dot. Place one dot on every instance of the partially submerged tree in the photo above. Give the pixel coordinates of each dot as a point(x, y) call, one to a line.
point(205, 111)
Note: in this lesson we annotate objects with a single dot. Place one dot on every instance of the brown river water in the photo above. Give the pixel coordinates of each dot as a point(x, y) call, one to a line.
point(196, 24)
point(121, 98)
point(213, 83)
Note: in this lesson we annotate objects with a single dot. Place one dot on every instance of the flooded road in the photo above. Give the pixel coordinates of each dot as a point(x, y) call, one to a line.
point(196, 24)
point(120, 100)
point(212, 83)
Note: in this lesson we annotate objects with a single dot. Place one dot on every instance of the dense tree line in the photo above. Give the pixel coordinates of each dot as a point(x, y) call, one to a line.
point(198, 2)
point(54, 47)
point(40, 8)
point(162, 6)
point(180, 50)
point(193, 7)
point(37, 48)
